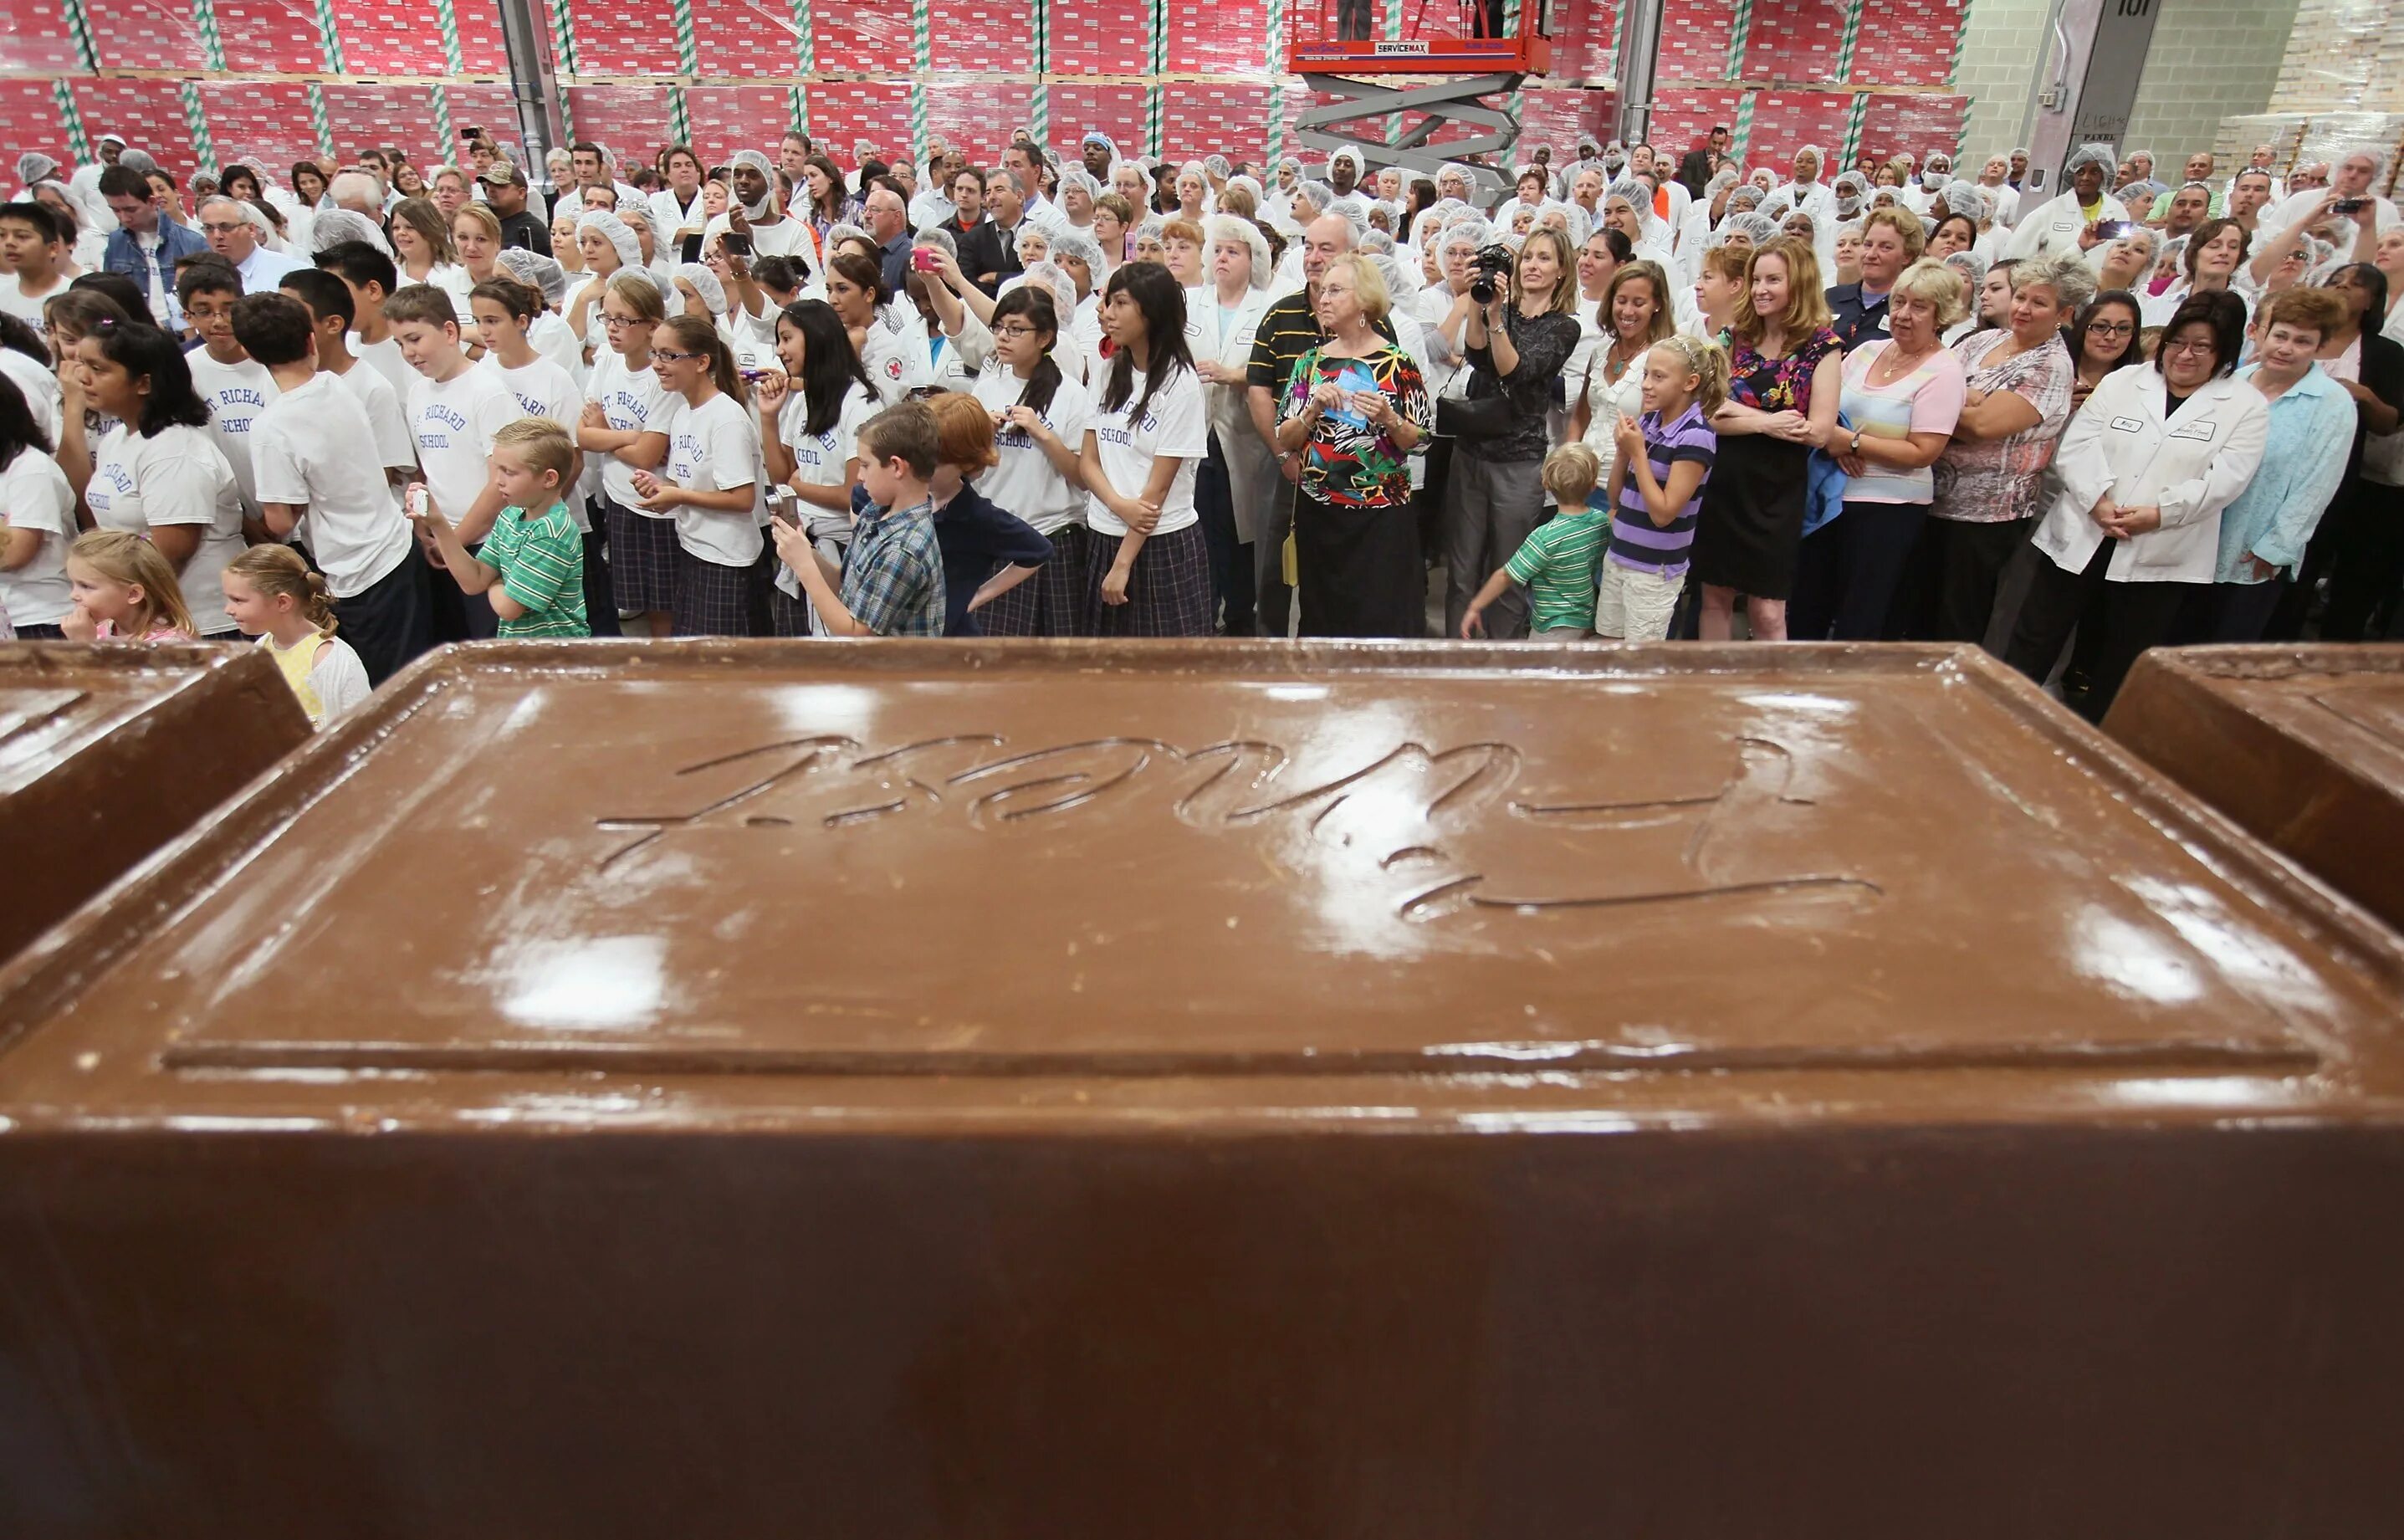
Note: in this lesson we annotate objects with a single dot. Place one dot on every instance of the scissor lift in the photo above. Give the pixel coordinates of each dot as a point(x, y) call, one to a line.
point(1437, 60)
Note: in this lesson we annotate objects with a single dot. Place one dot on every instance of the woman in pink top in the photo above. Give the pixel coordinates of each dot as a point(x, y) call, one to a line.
point(1902, 396)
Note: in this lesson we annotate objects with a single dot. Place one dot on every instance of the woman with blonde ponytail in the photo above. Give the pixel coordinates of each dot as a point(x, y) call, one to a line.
point(270, 593)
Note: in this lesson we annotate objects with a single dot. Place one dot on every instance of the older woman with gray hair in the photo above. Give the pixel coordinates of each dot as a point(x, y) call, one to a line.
point(2017, 391)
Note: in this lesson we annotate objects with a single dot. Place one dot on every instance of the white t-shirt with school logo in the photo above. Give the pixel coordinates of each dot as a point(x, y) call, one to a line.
point(633, 402)
point(1026, 483)
point(237, 393)
point(394, 449)
point(543, 390)
point(821, 459)
point(34, 494)
point(715, 447)
point(1175, 423)
point(177, 476)
point(307, 451)
point(453, 424)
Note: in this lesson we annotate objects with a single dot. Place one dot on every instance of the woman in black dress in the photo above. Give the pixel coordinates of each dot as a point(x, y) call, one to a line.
point(1786, 373)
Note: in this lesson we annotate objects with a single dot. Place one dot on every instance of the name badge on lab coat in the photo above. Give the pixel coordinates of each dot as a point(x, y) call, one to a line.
point(2199, 430)
point(2129, 424)
point(1883, 319)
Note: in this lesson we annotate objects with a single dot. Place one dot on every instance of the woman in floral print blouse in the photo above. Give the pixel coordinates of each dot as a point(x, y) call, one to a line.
point(1356, 408)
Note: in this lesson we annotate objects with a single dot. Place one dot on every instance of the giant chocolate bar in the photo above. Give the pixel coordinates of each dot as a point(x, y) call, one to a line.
point(2302, 746)
point(108, 752)
point(915, 1089)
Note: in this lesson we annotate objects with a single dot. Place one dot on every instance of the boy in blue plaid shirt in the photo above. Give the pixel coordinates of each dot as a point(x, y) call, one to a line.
point(891, 583)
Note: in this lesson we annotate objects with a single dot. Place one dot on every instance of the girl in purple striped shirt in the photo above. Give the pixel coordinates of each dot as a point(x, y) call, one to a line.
point(1656, 487)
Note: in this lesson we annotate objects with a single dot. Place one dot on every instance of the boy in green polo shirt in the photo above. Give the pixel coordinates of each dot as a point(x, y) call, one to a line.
point(1559, 559)
point(532, 562)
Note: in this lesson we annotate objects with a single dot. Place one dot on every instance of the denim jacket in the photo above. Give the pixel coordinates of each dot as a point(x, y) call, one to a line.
point(176, 243)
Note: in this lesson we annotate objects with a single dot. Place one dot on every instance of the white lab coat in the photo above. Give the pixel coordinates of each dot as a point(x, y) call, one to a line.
point(1253, 476)
point(2276, 218)
point(2053, 227)
point(2008, 204)
point(2119, 443)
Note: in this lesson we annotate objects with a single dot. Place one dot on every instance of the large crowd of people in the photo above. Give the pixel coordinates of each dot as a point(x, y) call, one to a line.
point(354, 410)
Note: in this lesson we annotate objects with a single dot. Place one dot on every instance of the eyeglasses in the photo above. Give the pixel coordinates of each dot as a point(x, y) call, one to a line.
point(626, 320)
point(680, 358)
point(2202, 344)
point(2112, 328)
point(1014, 331)
point(220, 227)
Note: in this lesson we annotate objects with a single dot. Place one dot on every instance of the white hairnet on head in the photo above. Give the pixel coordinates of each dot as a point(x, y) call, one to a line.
point(331, 227)
point(1469, 235)
point(1721, 181)
point(704, 283)
point(2088, 155)
point(1580, 226)
point(1153, 227)
point(1071, 242)
point(940, 239)
point(1249, 185)
point(1227, 227)
point(535, 270)
point(1216, 165)
point(1969, 264)
point(1744, 198)
point(1050, 278)
point(1322, 196)
point(838, 233)
point(2378, 158)
point(619, 235)
point(1960, 198)
point(1078, 177)
point(1756, 228)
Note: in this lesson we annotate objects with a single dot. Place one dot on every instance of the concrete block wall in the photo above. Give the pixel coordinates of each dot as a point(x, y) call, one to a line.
point(2210, 60)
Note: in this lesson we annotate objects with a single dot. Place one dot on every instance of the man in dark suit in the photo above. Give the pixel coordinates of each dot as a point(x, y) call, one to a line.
point(989, 253)
point(1698, 166)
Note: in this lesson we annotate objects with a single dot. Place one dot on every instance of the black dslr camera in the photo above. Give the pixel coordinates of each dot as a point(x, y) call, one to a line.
point(1490, 263)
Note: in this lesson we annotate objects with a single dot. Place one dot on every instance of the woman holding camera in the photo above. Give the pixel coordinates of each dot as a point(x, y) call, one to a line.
point(1517, 333)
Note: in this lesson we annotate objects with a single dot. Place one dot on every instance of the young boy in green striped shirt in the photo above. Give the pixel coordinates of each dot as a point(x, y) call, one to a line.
point(1559, 559)
point(532, 562)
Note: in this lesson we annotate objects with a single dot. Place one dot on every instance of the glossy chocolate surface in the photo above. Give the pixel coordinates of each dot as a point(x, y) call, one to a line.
point(108, 752)
point(2302, 746)
point(1193, 1090)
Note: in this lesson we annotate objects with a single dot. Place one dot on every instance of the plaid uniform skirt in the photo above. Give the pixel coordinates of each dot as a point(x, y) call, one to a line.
point(712, 600)
point(1168, 592)
point(1052, 603)
point(644, 558)
point(786, 615)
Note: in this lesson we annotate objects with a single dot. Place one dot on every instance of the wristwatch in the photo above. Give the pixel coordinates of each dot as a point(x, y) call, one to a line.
point(1857, 449)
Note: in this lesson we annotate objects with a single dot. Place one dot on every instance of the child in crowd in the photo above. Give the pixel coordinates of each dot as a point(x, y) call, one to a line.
point(271, 593)
point(371, 279)
point(454, 409)
point(35, 265)
point(505, 311)
point(37, 519)
point(810, 418)
point(1665, 458)
point(306, 446)
point(624, 426)
point(532, 565)
point(987, 550)
point(1557, 561)
point(713, 482)
point(331, 312)
point(236, 387)
point(158, 473)
point(891, 583)
point(124, 589)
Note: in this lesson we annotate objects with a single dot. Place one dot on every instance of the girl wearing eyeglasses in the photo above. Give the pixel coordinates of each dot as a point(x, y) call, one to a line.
point(624, 430)
point(713, 482)
point(1039, 417)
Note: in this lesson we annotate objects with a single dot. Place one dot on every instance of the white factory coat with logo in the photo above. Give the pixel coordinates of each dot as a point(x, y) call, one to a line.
point(2192, 467)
